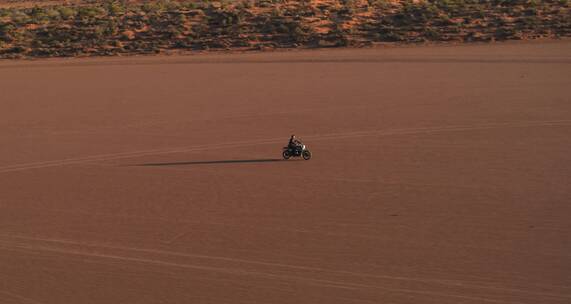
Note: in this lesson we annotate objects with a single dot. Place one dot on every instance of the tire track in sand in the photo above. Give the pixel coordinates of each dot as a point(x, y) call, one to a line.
point(20, 298)
point(158, 256)
point(240, 272)
point(315, 137)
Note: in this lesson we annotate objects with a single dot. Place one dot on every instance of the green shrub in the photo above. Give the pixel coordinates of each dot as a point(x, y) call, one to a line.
point(20, 18)
point(115, 9)
point(151, 7)
point(53, 14)
point(4, 12)
point(66, 13)
point(90, 12)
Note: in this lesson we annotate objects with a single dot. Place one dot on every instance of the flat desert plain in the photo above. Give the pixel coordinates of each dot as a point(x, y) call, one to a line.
point(439, 175)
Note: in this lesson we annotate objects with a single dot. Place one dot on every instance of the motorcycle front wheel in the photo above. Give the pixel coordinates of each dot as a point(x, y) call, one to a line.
point(306, 155)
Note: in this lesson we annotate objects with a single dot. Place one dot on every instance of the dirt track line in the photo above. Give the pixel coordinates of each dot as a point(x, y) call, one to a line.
point(27, 248)
point(454, 128)
point(310, 281)
point(20, 297)
point(389, 132)
point(212, 61)
point(281, 265)
point(72, 160)
point(123, 155)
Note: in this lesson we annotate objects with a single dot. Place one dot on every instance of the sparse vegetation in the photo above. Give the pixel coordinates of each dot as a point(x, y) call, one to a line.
point(121, 27)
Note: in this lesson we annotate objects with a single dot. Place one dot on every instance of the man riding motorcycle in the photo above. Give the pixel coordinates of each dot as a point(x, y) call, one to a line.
point(296, 148)
point(294, 143)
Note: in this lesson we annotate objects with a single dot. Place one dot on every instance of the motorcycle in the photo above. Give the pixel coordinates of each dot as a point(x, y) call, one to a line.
point(298, 151)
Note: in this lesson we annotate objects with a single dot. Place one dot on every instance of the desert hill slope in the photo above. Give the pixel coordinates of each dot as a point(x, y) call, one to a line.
point(88, 28)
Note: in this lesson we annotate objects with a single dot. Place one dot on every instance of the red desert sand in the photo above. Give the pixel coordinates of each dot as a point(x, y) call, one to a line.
point(439, 175)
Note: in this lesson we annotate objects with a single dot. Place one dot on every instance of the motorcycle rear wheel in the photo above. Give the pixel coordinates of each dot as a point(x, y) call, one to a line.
point(286, 154)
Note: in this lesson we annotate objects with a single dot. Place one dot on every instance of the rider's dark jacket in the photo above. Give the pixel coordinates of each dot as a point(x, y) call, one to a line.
point(294, 142)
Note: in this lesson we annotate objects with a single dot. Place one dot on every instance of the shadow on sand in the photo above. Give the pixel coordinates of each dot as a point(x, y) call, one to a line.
point(213, 162)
